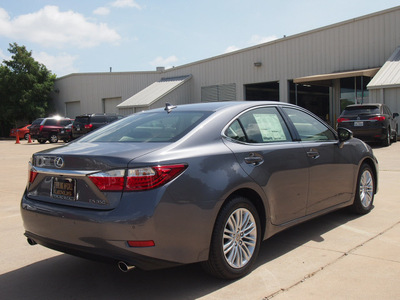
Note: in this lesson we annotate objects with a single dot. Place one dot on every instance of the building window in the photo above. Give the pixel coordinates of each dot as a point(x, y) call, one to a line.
point(353, 90)
point(214, 93)
point(262, 91)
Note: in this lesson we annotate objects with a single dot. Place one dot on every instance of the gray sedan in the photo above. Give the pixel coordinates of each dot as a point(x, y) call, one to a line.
point(194, 183)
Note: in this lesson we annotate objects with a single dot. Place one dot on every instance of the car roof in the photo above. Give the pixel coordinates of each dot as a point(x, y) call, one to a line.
point(216, 106)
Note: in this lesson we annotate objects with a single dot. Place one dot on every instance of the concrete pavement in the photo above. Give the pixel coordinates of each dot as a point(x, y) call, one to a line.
point(337, 256)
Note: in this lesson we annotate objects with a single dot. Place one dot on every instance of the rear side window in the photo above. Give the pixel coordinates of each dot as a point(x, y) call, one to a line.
point(99, 119)
point(81, 120)
point(262, 125)
point(51, 122)
point(65, 122)
point(148, 127)
point(37, 121)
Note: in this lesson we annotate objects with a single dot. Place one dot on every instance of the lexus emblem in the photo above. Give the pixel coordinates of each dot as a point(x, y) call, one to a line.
point(59, 162)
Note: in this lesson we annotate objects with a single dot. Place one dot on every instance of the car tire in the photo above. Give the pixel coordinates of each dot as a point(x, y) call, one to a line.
point(26, 136)
point(235, 240)
point(53, 138)
point(41, 141)
point(386, 141)
point(394, 140)
point(364, 198)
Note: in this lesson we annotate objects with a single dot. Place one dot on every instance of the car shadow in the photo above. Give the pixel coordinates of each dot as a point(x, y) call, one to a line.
point(68, 277)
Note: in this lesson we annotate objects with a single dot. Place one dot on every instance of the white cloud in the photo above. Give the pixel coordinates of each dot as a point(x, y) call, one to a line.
point(60, 65)
point(257, 39)
point(254, 40)
point(164, 62)
point(231, 49)
point(52, 28)
point(125, 3)
point(102, 11)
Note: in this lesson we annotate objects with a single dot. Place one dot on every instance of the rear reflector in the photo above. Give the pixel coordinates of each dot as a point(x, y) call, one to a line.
point(141, 243)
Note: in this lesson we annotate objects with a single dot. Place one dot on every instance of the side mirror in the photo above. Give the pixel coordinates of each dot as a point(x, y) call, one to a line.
point(344, 134)
point(395, 115)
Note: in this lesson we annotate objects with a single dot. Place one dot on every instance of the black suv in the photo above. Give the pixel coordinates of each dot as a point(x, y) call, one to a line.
point(46, 129)
point(370, 122)
point(86, 123)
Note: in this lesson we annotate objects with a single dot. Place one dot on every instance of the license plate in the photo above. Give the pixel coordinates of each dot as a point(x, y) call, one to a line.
point(62, 131)
point(64, 188)
point(358, 123)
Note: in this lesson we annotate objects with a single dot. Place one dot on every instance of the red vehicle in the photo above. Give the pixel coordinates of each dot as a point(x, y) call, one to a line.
point(23, 132)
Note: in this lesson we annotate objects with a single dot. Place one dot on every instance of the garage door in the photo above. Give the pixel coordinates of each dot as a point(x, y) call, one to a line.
point(110, 105)
point(73, 109)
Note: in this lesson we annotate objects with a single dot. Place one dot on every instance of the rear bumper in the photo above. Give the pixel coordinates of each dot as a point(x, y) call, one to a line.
point(103, 234)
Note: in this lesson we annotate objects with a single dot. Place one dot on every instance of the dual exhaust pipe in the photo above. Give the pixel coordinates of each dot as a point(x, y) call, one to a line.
point(123, 266)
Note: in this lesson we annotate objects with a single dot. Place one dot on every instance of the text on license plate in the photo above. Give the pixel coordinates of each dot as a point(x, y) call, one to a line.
point(358, 123)
point(64, 188)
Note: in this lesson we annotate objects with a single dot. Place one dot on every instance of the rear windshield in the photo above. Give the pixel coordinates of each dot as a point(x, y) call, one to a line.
point(148, 127)
point(37, 121)
point(81, 120)
point(361, 110)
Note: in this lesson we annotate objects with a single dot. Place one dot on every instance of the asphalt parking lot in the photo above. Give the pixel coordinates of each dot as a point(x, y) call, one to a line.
point(337, 256)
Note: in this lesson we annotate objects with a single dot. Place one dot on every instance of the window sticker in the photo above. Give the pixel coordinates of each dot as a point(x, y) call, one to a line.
point(270, 127)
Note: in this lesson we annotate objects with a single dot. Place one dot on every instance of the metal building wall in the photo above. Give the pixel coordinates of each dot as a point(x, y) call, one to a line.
point(360, 43)
point(91, 89)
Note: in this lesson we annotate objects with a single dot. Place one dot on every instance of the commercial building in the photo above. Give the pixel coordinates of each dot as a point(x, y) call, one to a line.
point(323, 70)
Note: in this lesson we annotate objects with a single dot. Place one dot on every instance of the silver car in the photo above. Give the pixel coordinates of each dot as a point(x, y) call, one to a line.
point(194, 183)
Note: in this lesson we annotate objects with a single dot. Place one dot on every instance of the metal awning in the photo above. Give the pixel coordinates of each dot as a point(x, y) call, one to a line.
point(154, 92)
point(389, 75)
point(338, 75)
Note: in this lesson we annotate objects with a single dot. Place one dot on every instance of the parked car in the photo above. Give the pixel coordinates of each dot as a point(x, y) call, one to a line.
point(23, 132)
point(65, 133)
point(370, 122)
point(87, 123)
point(194, 183)
point(46, 129)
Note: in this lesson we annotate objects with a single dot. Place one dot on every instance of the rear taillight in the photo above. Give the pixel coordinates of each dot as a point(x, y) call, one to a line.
point(88, 126)
point(340, 120)
point(378, 118)
point(109, 181)
point(32, 176)
point(41, 127)
point(149, 178)
point(138, 179)
point(32, 173)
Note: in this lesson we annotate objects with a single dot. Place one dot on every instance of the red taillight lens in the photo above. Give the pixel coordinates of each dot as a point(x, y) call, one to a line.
point(141, 243)
point(151, 177)
point(88, 126)
point(340, 120)
point(138, 179)
point(32, 176)
point(378, 118)
point(41, 127)
point(109, 181)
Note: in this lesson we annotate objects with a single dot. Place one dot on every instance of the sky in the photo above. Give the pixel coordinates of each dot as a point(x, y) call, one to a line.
point(80, 36)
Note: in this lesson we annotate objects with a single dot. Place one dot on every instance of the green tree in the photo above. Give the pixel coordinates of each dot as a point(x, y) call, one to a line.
point(25, 88)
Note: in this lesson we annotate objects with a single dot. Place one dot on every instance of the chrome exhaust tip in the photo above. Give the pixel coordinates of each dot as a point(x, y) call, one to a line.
point(124, 267)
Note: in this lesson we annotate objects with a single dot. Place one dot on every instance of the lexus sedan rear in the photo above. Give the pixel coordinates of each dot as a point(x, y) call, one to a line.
point(194, 183)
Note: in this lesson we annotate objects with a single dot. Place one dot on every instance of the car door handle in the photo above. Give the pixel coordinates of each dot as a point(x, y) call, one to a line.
point(313, 153)
point(254, 159)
